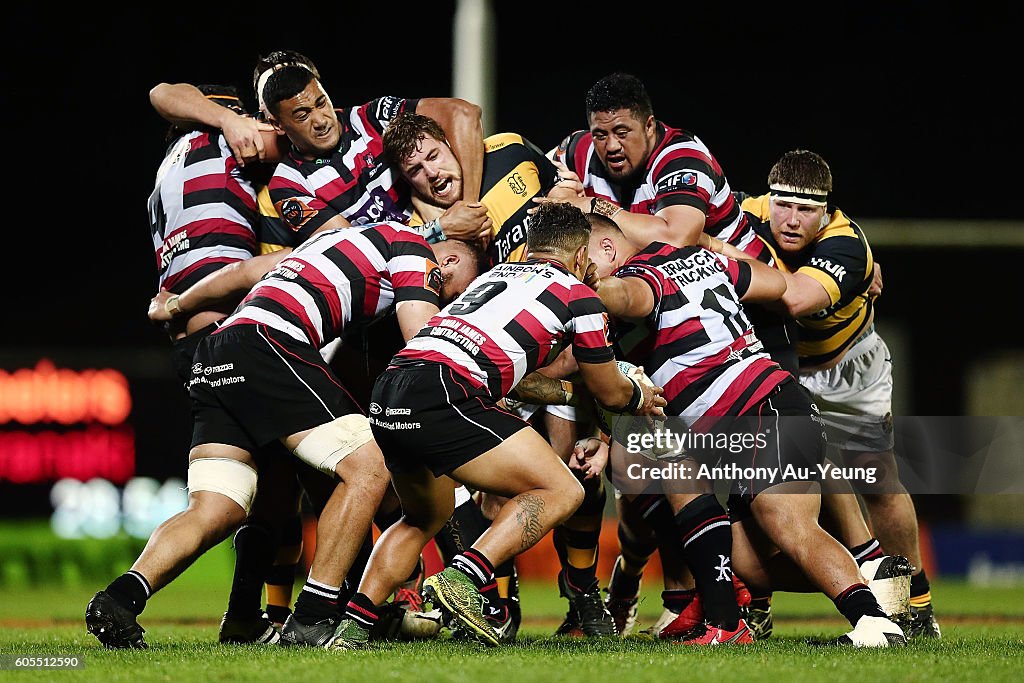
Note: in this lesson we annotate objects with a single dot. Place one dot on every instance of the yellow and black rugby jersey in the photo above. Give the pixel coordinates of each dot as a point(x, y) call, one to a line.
point(273, 233)
point(840, 259)
point(515, 171)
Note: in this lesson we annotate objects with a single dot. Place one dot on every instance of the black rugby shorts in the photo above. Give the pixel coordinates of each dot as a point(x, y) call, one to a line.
point(426, 414)
point(252, 385)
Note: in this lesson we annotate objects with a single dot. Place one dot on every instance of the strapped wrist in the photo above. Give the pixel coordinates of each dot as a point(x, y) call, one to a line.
point(603, 207)
point(173, 305)
point(432, 231)
point(567, 391)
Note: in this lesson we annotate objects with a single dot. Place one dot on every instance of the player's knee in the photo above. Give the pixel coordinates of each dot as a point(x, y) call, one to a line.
point(570, 495)
point(225, 476)
point(327, 445)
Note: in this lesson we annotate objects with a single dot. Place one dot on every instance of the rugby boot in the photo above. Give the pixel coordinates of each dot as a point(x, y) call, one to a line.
point(116, 627)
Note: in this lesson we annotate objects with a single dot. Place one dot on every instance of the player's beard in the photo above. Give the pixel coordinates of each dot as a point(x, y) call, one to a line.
point(630, 179)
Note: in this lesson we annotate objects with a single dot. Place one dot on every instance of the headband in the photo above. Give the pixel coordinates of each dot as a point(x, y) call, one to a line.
point(261, 82)
point(798, 195)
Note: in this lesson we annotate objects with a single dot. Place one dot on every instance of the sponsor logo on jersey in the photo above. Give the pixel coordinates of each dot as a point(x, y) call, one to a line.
point(397, 411)
point(373, 213)
point(432, 279)
point(388, 108)
point(172, 246)
point(375, 409)
point(677, 180)
point(210, 369)
point(510, 239)
point(832, 268)
point(517, 184)
point(295, 212)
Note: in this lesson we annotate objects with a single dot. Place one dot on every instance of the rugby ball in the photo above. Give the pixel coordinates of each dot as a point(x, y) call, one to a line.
point(625, 427)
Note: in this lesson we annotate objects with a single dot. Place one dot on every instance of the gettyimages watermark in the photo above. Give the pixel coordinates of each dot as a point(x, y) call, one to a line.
point(920, 455)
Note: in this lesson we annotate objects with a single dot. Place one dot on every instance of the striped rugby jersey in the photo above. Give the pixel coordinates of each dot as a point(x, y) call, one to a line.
point(680, 171)
point(340, 277)
point(697, 342)
point(513, 319)
point(202, 211)
point(354, 181)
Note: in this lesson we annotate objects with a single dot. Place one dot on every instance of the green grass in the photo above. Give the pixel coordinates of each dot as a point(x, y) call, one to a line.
point(983, 640)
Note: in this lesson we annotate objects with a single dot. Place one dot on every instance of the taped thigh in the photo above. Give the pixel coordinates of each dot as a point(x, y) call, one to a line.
point(226, 476)
point(327, 445)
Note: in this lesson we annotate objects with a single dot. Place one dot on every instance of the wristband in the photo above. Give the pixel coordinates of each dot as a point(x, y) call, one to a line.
point(637, 399)
point(432, 231)
point(603, 207)
point(172, 306)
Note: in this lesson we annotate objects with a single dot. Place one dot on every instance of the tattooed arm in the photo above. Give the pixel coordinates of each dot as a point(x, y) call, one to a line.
point(542, 390)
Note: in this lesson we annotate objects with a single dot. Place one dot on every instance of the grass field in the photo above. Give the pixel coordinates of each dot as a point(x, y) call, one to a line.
point(983, 640)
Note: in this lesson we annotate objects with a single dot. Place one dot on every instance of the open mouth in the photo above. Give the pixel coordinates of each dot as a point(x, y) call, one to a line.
point(616, 163)
point(441, 187)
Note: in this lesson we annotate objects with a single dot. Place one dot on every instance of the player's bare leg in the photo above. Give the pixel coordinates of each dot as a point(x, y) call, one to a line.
point(341, 528)
point(222, 483)
point(542, 492)
point(788, 514)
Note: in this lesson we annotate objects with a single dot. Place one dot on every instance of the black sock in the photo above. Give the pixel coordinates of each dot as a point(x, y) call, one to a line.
point(474, 565)
point(858, 601)
point(677, 600)
point(506, 570)
point(496, 609)
point(460, 532)
point(361, 610)
point(707, 548)
point(920, 588)
point(278, 613)
point(623, 585)
point(131, 590)
point(871, 550)
point(255, 548)
point(317, 601)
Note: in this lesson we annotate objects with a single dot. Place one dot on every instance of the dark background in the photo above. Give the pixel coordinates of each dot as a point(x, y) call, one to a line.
point(913, 104)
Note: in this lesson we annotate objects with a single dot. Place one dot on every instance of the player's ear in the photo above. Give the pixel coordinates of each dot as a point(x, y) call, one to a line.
point(582, 258)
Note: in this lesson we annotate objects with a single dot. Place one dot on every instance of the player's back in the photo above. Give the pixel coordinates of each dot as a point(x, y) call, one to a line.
point(511, 320)
point(698, 343)
point(202, 211)
point(339, 277)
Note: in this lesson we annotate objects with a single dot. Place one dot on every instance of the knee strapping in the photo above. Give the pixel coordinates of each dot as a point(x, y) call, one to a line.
point(225, 476)
point(327, 445)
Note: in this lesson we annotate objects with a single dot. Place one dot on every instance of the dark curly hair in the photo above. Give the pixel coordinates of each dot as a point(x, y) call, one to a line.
point(620, 91)
point(557, 227)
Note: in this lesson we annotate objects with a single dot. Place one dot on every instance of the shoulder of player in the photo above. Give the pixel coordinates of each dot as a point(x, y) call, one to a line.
point(841, 229)
point(757, 208)
point(499, 141)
